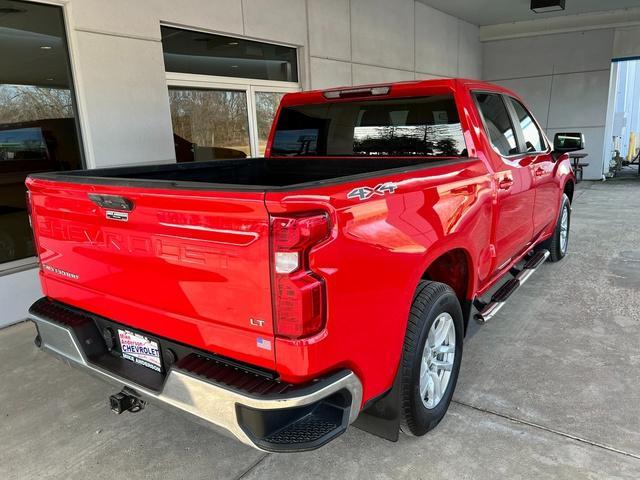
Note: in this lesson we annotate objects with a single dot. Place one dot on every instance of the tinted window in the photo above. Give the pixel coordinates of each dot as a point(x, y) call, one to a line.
point(532, 136)
point(37, 117)
point(202, 53)
point(427, 126)
point(498, 123)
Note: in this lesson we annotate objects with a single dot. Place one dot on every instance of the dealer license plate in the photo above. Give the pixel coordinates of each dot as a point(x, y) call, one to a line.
point(140, 349)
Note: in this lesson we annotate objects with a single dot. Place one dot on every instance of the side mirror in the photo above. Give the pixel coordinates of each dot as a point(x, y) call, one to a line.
point(568, 142)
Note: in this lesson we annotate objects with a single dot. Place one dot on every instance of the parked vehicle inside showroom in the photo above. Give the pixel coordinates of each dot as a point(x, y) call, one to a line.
point(281, 299)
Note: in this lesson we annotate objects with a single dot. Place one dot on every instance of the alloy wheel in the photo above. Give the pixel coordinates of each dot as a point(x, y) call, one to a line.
point(437, 360)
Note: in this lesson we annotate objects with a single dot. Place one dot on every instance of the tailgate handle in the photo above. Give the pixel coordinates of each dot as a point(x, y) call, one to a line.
point(115, 202)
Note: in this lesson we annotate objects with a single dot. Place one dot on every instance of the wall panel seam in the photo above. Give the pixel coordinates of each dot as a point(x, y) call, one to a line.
point(118, 34)
point(552, 74)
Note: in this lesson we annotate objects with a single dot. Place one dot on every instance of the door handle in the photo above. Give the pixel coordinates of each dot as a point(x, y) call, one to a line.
point(111, 201)
point(505, 183)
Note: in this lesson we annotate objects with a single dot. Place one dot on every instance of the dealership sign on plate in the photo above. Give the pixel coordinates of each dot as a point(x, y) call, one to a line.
point(140, 349)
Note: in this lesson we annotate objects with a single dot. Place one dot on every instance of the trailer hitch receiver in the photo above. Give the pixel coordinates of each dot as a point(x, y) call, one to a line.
point(126, 401)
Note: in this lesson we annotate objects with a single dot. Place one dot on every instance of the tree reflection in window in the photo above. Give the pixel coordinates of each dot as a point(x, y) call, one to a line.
point(210, 123)
point(26, 103)
point(438, 140)
point(266, 107)
point(424, 126)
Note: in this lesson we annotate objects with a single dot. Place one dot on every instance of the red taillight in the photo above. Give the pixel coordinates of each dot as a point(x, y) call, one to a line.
point(299, 293)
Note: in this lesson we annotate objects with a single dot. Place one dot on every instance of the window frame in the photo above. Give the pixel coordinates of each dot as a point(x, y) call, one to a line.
point(509, 99)
point(507, 106)
point(249, 86)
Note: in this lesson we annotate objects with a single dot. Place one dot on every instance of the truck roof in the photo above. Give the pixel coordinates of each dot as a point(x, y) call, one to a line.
point(396, 89)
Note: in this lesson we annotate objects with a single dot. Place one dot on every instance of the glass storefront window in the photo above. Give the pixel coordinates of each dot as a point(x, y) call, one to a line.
point(224, 92)
point(209, 124)
point(188, 51)
point(38, 130)
point(266, 107)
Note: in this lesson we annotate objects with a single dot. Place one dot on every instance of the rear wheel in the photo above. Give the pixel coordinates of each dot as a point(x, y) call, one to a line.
point(431, 357)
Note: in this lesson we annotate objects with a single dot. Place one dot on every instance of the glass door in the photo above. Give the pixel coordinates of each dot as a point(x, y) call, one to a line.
point(214, 118)
point(266, 103)
point(209, 123)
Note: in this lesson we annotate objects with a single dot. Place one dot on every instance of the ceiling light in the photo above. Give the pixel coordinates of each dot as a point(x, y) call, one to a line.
point(544, 6)
point(233, 44)
point(234, 66)
point(50, 79)
point(45, 47)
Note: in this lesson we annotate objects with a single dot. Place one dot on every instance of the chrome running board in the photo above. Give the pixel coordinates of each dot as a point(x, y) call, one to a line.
point(486, 311)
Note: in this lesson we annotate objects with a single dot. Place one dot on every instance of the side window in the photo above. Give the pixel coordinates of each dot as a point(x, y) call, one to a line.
point(533, 139)
point(498, 123)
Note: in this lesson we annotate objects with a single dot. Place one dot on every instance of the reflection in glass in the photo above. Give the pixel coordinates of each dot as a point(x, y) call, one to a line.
point(37, 125)
point(266, 107)
point(187, 51)
point(437, 140)
point(532, 135)
point(427, 126)
point(209, 124)
point(499, 127)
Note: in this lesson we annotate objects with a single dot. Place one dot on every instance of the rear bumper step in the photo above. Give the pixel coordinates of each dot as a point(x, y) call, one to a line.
point(262, 412)
point(488, 310)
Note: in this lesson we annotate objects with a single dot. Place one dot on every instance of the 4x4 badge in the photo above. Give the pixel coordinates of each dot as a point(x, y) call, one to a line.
point(363, 193)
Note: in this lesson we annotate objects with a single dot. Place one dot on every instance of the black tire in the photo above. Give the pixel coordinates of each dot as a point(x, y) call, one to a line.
point(430, 301)
point(554, 244)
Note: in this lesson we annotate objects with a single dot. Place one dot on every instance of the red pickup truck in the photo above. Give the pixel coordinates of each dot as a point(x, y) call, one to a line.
point(281, 299)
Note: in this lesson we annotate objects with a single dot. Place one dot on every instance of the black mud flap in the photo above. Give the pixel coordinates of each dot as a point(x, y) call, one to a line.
point(382, 416)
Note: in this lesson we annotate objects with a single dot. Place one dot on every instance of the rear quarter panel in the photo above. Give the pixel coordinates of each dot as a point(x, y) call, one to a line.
point(379, 249)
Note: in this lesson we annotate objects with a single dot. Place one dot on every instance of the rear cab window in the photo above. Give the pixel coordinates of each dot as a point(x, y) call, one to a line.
point(424, 126)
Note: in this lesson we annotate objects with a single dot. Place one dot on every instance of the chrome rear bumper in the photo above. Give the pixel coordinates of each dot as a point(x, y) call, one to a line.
point(246, 415)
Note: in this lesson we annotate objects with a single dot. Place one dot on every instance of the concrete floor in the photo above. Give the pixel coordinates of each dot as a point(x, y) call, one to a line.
point(550, 388)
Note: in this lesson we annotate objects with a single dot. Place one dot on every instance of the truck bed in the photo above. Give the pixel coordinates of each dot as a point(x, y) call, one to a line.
point(247, 173)
point(179, 265)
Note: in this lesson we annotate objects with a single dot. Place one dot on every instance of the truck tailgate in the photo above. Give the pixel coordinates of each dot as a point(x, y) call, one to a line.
point(191, 266)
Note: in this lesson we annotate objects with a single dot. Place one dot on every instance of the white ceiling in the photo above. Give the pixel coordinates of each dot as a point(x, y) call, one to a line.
point(491, 12)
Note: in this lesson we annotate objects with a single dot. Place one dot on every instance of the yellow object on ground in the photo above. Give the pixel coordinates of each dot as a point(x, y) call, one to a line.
point(632, 146)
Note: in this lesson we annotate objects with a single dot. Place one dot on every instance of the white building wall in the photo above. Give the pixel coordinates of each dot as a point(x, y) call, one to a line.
point(626, 42)
point(18, 291)
point(564, 78)
point(388, 41)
